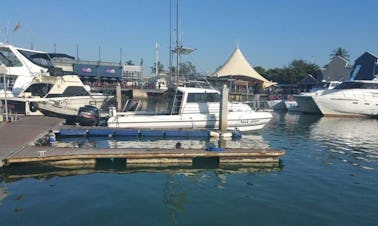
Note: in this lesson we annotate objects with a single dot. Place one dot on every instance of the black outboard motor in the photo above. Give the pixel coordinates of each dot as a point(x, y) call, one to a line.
point(88, 116)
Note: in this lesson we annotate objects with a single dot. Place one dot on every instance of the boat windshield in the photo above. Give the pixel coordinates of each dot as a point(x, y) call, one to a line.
point(40, 59)
point(39, 89)
point(8, 58)
point(357, 85)
point(70, 92)
point(203, 97)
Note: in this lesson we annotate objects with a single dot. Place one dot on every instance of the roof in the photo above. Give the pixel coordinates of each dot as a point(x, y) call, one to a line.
point(237, 65)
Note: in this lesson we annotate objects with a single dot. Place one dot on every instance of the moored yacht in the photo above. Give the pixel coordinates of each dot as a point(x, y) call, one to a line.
point(305, 101)
point(193, 108)
point(22, 65)
point(350, 98)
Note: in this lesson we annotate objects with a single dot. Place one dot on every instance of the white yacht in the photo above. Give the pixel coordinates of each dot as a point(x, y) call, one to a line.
point(193, 108)
point(305, 101)
point(22, 65)
point(350, 98)
point(59, 96)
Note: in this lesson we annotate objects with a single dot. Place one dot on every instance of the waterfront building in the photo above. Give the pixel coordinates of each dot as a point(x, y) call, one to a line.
point(365, 67)
point(338, 69)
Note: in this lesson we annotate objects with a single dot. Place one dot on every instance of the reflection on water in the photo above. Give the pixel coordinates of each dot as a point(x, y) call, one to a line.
point(355, 139)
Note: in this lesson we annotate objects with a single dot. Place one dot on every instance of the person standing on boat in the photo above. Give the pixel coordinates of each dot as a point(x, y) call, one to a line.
point(256, 95)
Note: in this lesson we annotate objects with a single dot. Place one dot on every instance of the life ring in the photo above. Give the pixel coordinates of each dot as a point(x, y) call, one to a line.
point(33, 106)
point(290, 97)
point(271, 97)
point(279, 97)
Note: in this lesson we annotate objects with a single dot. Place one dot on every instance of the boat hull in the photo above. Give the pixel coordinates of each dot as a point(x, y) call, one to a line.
point(307, 104)
point(355, 105)
point(246, 122)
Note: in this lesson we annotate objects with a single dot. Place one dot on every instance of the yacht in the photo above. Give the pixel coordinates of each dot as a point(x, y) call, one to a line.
point(350, 98)
point(192, 108)
point(58, 96)
point(22, 65)
point(305, 101)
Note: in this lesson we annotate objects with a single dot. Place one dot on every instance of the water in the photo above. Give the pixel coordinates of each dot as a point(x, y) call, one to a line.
point(328, 176)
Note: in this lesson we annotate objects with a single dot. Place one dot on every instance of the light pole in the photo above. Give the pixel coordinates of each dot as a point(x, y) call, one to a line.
point(3, 72)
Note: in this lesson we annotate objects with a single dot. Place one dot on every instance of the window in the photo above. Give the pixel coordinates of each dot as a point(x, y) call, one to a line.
point(40, 59)
point(8, 58)
point(40, 89)
point(203, 97)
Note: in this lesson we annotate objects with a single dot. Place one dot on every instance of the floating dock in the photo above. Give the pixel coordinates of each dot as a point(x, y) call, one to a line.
point(17, 139)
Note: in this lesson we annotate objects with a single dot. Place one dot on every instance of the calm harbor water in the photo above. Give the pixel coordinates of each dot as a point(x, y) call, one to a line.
point(328, 176)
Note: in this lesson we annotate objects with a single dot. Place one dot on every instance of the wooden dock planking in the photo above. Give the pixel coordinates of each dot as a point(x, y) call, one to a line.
point(25, 131)
point(143, 156)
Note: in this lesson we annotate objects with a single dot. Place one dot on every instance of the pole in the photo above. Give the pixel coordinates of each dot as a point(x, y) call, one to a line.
point(223, 109)
point(177, 41)
point(3, 71)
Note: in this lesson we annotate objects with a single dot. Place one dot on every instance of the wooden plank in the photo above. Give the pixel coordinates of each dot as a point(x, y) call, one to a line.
point(38, 154)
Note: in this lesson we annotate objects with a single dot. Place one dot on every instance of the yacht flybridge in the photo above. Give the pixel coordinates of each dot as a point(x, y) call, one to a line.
point(22, 65)
point(193, 108)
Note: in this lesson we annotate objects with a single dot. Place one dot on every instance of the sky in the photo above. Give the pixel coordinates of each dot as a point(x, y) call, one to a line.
point(270, 33)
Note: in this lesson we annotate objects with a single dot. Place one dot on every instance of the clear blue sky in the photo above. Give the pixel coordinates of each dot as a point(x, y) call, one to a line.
point(270, 33)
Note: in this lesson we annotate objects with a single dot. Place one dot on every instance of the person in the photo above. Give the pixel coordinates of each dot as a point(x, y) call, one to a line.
point(256, 95)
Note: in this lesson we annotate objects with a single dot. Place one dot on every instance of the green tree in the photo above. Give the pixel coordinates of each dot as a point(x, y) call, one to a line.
point(160, 68)
point(340, 52)
point(129, 62)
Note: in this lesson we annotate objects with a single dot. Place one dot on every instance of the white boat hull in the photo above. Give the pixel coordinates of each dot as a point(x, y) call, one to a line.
point(353, 104)
point(292, 105)
point(246, 122)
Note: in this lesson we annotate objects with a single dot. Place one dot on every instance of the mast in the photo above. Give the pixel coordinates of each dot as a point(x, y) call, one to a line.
point(177, 41)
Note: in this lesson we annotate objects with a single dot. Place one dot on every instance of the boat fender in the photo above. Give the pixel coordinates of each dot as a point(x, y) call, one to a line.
point(33, 106)
point(214, 149)
point(236, 134)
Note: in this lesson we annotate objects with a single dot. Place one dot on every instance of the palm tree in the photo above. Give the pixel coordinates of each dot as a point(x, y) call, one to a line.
point(340, 52)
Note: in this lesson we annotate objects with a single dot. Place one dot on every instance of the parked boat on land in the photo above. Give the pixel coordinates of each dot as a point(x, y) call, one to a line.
point(350, 98)
point(22, 65)
point(193, 108)
point(58, 96)
point(305, 101)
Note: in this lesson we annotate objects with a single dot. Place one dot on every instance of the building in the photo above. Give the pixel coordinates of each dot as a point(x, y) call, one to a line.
point(365, 67)
point(338, 69)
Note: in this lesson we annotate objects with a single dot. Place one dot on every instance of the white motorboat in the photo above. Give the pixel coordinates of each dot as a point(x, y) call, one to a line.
point(350, 98)
point(193, 108)
point(22, 65)
point(305, 101)
point(59, 96)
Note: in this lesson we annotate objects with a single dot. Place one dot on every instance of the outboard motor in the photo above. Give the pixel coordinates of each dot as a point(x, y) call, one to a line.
point(88, 116)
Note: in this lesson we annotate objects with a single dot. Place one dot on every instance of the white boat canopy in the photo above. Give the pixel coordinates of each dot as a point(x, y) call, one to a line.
point(237, 65)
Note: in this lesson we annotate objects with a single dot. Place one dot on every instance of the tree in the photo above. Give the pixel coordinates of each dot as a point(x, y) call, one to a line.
point(129, 62)
point(340, 52)
point(160, 68)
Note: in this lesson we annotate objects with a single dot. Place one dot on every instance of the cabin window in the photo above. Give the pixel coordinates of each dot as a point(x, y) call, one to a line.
point(203, 97)
point(39, 89)
point(357, 85)
point(75, 91)
point(40, 59)
point(8, 58)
